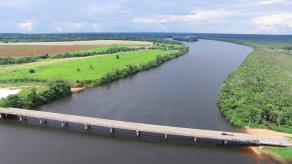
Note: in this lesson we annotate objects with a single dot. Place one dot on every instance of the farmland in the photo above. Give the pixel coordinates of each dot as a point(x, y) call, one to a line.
point(41, 48)
point(26, 50)
point(49, 77)
point(67, 69)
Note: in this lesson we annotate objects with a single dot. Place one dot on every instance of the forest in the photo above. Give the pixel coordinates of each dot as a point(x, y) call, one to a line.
point(259, 92)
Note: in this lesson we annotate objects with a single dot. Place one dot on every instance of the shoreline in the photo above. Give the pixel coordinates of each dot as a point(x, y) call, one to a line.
point(259, 151)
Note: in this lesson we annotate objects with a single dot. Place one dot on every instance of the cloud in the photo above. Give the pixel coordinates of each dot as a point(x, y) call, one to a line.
point(269, 2)
point(272, 23)
point(194, 16)
point(75, 27)
point(103, 9)
point(27, 26)
point(262, 3)
point(19, 5)
point(271, 20)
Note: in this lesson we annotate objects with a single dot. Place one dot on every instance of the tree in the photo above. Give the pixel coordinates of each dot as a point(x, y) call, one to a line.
point(31, 71)
point(117, 56)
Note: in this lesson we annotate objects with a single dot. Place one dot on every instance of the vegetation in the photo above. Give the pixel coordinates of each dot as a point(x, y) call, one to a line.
point(151, 37)
point(260, 90)
point(96, 51)
point(32, 98)
point(31, 71)
point(284, 153)
point(82, 69)
point(187, 39)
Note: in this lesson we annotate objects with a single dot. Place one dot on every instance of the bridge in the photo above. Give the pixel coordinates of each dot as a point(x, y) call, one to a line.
point(218, 137)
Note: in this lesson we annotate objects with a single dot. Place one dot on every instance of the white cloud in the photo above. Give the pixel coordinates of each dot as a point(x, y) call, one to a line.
point(75, 27)
point(272, 23)
point(67, 27)
point(27, 26)
point(8, 4)
point(103, 9)
point(195, 16)
point(96, 28)
point(262, 3)
point(270, 2)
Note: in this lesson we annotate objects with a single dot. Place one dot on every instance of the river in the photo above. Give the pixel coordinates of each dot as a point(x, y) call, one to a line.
point(182, 92)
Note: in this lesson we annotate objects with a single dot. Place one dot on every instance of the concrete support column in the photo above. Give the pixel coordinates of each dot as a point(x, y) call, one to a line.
point(86, 126)
point(0, 115)
point(195, 139)
point(41, 121)
point(20, 118)
point(111, 129)
point(137, 132)
point(64, 123)
point(165, 136)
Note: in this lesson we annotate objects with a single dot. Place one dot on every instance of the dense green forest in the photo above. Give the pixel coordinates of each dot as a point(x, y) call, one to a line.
point(260, 90)
point(152, 37)
point(186, 39)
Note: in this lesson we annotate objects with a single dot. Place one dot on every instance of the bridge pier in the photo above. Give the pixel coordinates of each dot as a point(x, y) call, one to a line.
point(64, 123)
point(43, 121)
point(165, 136)
point(195, 139)
point(137, 132)
point(86, 126)
point(111, 129)
point(20, 118)
point(0, 116)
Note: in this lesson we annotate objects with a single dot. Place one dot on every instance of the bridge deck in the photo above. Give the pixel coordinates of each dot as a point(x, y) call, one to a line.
point(140, 127)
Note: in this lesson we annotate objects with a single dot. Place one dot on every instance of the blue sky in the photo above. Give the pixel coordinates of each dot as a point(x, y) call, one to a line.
point(203, 16)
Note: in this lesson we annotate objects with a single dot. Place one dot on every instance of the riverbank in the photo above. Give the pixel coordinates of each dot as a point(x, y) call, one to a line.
point(281, 154)
point(258, 93)
point(89, 71)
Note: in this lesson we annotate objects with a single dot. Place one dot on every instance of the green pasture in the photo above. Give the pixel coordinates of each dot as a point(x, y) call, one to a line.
point(83, 68)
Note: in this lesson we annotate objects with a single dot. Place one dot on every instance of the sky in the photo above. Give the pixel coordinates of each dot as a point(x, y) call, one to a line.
point(198, 16)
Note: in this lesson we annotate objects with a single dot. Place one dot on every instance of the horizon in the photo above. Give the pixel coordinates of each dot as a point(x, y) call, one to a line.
point(128, 32)
point(266, 17)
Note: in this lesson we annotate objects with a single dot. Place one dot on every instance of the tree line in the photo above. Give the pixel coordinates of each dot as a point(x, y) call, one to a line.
point(132, 69)
point(33, 98)
point(187, 39)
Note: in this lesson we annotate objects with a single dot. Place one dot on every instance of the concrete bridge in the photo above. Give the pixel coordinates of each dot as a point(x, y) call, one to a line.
point(218, 137)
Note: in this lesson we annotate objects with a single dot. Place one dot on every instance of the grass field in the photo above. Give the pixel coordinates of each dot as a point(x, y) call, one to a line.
point(66, 69)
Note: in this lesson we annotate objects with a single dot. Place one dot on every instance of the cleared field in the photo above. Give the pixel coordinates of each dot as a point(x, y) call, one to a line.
point(93, 67)
point(25, 50)
point(41, 48)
